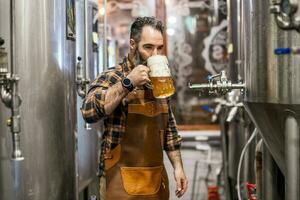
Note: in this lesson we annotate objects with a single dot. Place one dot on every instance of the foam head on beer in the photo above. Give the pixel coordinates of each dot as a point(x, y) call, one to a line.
point(160, 76)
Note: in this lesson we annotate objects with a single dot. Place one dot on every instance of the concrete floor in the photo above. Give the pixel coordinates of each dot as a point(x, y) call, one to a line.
point(190, 157)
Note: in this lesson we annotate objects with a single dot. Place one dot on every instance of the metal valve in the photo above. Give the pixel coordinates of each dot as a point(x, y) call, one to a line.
point(232, 101)
point(5, 80)
point(82, 85)
point(284, 12)
point(11, 99)
point(217, 84)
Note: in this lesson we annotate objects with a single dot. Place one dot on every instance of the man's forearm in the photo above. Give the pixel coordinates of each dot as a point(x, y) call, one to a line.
point(113, 97)
point(175, 158)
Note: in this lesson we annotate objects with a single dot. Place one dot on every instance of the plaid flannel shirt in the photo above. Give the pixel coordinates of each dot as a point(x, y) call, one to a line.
point(115, 123)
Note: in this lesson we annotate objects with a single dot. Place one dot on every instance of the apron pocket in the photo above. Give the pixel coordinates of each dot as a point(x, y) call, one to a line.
point(141, 180)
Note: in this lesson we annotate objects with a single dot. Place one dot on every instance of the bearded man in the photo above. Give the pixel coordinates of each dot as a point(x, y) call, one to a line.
point(138, 127)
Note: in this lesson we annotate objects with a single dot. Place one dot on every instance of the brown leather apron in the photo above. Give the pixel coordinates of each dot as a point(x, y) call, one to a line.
point(135, 169)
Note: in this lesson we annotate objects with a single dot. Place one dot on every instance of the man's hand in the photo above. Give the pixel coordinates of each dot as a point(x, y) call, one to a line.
point(180, 178)
point(181, 182)
point(139, 75)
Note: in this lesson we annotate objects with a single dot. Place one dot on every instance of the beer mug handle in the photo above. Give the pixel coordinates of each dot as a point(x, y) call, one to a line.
point(149, 85)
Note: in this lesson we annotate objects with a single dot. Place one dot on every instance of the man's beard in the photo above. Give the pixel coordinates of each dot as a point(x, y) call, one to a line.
point(138, 60)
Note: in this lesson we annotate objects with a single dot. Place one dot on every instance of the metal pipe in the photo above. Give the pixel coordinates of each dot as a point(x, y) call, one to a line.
point(214, 87)
point(79, 69)
point(194, 179)
point(270, 173)
point(241, 161)
point(105, 36)
point(240, 61)
point(244, 42)
point(85, 81)
point(221, 88)
point(225, 160)
point(258, 169)
point(218, 84)
point(216, 112)
point(239, 38)
point(12, 36)
point(16, 101)
point(81, 86)
point(292, 145)
point(86, 38)
point(232, 113)
point(17, 176)
point(15, 121)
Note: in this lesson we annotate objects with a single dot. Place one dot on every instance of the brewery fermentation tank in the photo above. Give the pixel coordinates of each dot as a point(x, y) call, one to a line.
point(236, 127)
point(87, 59)
point(273, 83)
point(45, 62)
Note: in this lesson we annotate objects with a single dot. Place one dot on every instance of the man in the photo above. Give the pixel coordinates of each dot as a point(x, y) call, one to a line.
point(137, 126)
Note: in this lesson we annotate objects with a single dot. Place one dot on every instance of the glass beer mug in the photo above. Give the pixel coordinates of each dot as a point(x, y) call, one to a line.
point(160, 76)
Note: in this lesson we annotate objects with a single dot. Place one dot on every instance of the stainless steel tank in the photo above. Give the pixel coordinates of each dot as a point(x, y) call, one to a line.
point(236, 127)
point(45, 62)
point(87, 134)
point(273, 93)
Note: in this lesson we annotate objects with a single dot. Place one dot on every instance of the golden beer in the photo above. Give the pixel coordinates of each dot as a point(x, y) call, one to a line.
point(160, 76)
point(162, 87)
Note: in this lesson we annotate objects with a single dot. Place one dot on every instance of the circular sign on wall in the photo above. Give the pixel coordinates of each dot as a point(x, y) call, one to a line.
point(215, 51)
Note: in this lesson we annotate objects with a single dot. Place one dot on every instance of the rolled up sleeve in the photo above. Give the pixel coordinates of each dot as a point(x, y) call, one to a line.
point(172, 140)
point(93, 105)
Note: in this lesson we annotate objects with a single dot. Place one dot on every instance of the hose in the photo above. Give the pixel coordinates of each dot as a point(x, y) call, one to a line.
point(241, 160)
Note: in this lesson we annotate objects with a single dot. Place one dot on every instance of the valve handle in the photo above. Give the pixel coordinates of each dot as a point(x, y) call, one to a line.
point(282, 51)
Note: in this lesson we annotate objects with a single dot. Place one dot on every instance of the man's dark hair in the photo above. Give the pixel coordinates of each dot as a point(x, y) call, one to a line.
point(140, 23)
